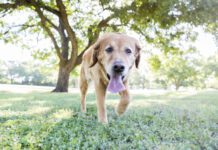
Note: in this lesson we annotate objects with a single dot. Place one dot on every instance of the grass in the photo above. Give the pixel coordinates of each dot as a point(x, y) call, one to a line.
point(172, 120)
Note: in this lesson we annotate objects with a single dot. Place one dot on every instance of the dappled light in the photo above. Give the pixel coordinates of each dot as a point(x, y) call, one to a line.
point(33, 110)
point(23, 89)
point(63, 114)
point(101, 74)
point(45, 118)
point(37, 110)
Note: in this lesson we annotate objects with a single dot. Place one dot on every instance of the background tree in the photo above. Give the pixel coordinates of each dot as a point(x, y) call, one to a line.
point(210, 67)
point(73, 26)
point(15, 71)
point(29, 73)
point(178, 72)
point(139, 79)
point(3, 72)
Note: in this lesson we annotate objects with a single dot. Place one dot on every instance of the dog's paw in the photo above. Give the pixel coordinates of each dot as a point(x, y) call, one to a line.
point(103, 121)
point(83, 111)
point(121, 108)
point(119, 111)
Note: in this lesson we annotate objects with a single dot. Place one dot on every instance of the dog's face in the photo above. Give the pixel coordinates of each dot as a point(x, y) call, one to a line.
point(117, 53)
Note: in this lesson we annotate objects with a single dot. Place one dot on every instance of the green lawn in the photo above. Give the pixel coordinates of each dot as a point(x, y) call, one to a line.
point(173, 120)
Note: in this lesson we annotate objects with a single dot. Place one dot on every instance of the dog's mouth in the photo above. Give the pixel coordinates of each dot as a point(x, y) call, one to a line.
point(115, 83)
point(108, 76)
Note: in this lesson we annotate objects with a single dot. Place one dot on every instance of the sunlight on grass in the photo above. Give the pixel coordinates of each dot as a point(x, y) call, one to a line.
point(63, 114)
point(5, 105)
point(15, 99)
point(147, 103)
point(31, 111)
point(38, 102)
point(162, 120)
point(24, 88)
point(9, 113)
point(37, 110)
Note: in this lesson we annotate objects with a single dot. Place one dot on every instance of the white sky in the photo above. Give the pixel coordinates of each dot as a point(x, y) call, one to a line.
point(206, 44)
point(13, 52)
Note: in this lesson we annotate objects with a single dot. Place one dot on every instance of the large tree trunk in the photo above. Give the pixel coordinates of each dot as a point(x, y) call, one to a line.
point(63, 79)
point(177, 84)
point(177, 87)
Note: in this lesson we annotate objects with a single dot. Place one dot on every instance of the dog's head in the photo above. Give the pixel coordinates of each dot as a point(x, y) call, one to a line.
point(117, 53)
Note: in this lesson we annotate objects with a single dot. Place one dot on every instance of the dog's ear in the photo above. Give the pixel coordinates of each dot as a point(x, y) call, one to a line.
point(138, 49)
point(95, 53)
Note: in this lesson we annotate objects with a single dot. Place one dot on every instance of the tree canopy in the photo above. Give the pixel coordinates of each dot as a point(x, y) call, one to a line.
point(72, 26)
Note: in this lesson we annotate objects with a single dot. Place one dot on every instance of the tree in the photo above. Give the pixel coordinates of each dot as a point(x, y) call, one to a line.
point(68, 23)
point(15, 71)
point(3, 72)
point(139, 80)
point(54, 20)
point(211, 67)
point(178, 71)
point(26, 73)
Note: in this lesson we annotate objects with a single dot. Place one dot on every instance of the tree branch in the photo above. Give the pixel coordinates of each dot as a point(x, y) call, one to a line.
point(64, 41)
point(49, 32)
point(49, 9)
point(4, 6)
point(19, 25)
point(18, 3)
point(70, 32)
point(51, 23)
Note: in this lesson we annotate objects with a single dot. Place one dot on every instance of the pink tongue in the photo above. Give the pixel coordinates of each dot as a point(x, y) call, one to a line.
point(116, 84)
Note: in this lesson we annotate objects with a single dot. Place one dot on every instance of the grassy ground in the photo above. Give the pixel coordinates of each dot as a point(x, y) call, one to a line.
point(172, 120)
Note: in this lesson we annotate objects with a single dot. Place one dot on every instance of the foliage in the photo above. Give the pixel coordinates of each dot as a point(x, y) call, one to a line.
point(27, 73)
point(72, 26)
point(185, 70)
point(176, 70)
point(155, 62)
point(42, 121)
point(179, 63)
point(3, 71)
point(211, 67)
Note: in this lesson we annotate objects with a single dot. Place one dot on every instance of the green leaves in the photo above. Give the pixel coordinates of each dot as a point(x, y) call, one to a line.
point(177, 71)
point(155, 62)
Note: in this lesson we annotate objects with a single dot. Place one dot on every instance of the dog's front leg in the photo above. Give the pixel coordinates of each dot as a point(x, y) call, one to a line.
point(100, 90)
point(124, 102)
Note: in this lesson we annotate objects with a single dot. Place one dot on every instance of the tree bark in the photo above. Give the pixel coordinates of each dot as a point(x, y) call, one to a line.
point(177, 87)
point(63, 79)
point(177, 84)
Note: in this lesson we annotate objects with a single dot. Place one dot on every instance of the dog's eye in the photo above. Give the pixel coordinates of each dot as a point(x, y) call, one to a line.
point(128, 51)
point(109, 49)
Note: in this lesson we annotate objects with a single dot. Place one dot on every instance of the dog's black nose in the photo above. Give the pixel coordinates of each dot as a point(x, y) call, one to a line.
point(118, 68)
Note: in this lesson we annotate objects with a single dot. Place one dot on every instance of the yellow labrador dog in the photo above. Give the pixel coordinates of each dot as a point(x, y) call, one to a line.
point(108, 63)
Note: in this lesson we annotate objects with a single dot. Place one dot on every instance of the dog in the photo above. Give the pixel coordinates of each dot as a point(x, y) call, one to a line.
point(108, 63)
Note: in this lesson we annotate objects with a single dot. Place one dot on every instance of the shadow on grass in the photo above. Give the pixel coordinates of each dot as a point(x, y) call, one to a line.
point(64, 127)
point(14, 105)
point(83, 131)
